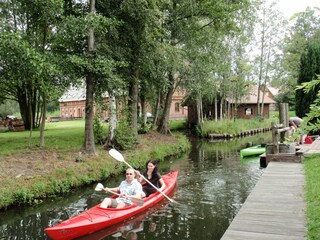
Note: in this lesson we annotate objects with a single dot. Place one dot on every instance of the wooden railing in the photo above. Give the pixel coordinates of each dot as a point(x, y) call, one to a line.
point(278, 135)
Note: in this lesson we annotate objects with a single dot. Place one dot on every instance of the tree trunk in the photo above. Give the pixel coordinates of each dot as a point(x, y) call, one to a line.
point(216, 108)
point(156, 112)
point(89, 144)
point(27, 106)
point(31, 118)
point(43, 119)
point(164, 123)
point(112, 123)
point(143, 111)
point(221, 109)
point(199, 113)
point(133, 104)
point(261, 62)
point(266, 78)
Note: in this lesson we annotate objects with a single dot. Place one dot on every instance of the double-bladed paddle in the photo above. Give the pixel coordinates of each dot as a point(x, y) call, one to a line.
point(118, 156)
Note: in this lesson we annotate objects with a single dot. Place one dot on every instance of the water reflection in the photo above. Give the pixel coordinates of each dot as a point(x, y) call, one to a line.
point(213, 183)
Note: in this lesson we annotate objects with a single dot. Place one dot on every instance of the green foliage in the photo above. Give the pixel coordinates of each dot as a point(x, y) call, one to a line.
point(286, 97)
point(124, 136)
point(312, 169)
point(310, 66)
point(23, 195)
point(312, 120)
point(61, 186)
point(275, 115)
point(175, 125)
point(54, 113)
point(39, 188)
point(8, 108)
point(98, 130)
point(86, 179)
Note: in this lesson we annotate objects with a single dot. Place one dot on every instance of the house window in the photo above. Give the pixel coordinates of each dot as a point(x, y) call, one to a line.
point(248, 111)
point(177, 107)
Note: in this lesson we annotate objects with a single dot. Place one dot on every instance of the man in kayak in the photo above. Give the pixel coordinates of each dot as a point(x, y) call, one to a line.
point(127, 188)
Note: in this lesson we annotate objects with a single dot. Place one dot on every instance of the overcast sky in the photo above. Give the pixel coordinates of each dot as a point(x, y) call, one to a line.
point(289, 7)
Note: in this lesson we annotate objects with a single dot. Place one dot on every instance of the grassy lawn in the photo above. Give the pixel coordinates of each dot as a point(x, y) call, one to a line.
point(312, 170)
point(66, 135)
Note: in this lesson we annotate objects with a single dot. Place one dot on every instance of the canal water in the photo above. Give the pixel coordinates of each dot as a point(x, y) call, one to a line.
point(213, 184)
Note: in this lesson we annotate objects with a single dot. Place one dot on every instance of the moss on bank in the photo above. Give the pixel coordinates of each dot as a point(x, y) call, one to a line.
point(70, 170)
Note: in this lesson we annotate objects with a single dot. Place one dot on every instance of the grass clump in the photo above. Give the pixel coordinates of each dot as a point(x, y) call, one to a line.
point(176, 125)
point(236, 126)
point(312, 169)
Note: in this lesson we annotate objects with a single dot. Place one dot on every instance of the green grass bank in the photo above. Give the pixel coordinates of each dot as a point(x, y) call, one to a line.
point(30, 174)
point(312, 173)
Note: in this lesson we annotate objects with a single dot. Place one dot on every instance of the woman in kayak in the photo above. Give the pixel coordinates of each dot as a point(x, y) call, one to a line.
point(152, 175)
point(127, 188)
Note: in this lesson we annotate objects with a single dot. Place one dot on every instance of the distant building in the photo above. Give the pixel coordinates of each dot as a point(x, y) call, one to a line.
point(72, 104)
point(272, 93)
point(247, 106)
point(177, 111)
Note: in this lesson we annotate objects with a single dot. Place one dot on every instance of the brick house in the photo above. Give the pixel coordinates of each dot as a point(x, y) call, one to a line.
point(72, 104)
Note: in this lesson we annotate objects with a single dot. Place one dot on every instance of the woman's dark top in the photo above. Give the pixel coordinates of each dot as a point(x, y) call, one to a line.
point(147, 188)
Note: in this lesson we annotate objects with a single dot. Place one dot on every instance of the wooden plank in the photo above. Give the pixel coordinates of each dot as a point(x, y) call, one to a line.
point(241, 235)
point(275, 209)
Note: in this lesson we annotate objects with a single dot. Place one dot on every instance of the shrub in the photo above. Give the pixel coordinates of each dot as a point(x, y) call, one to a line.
point(124, 136)
point(98, 131)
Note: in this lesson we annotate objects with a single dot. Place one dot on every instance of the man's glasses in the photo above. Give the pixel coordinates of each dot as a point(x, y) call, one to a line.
point(129, 173)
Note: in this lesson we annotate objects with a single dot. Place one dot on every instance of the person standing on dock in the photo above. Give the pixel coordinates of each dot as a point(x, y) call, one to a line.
point(296, 123)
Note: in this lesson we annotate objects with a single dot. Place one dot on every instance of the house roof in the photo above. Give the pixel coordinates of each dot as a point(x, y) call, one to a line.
point(76, 94)
point(252, 97)
point(274, 91)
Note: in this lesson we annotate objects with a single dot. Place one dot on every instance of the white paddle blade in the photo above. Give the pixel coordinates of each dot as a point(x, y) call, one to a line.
point(99, 187)
point(116, 155)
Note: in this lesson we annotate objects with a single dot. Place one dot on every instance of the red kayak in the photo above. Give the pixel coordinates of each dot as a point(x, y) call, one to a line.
point(97, 218)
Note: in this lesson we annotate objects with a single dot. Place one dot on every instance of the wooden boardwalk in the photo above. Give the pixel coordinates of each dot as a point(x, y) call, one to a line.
point(311, 148)
point(275, 209)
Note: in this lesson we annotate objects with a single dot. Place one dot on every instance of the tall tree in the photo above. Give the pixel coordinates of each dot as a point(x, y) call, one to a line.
point(89, 143)
point(309, 68)
point(270, 29)
point(186, 18)
point(304, 27)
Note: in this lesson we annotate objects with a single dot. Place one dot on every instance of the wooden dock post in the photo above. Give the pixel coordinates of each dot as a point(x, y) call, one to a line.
point(284, 120)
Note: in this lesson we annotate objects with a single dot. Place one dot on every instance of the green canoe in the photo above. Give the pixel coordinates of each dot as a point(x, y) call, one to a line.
point(251, 151)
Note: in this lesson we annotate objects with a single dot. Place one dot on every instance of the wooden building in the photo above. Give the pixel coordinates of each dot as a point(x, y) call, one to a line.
point(246, 107)
point(272, 93)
